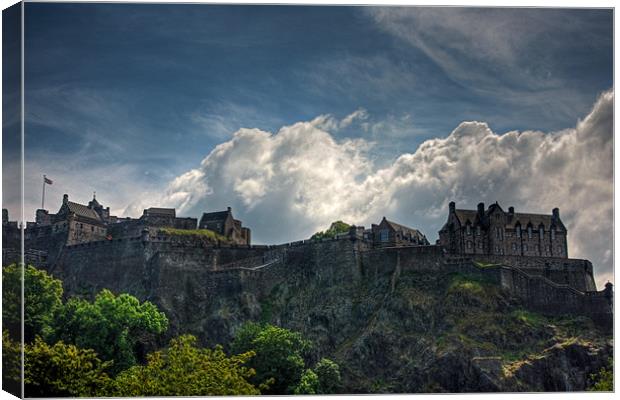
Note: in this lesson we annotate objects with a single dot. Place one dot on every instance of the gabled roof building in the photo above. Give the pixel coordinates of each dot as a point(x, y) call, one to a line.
point(499, 232)
point(388, 234)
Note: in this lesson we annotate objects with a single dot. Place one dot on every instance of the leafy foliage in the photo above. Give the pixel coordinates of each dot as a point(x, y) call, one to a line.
point(279, 355)
point(63, 370)
point(308, 384)
point(111, 325)
point(186, 370)
point(11, 365)
point(328, 374)
point(334, 229)
point(42, 298)
point(604, 379)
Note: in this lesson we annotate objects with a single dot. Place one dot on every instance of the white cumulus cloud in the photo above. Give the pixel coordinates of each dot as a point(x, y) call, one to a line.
point(288, 184)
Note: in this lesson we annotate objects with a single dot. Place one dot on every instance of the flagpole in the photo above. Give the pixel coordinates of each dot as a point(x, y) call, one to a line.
point(43, 197)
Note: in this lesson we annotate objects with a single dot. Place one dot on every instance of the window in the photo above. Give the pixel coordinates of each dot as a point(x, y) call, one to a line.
point(519, 231)
point(552, 233)
point(514, 247)
point(92, 228)
point(541, 232)
point(384, 235)
point(479, 245)
point(529, 232)
point(469, 244)
point(478, 230)
point(525, 247)
point(468, 229)
point(536, 248)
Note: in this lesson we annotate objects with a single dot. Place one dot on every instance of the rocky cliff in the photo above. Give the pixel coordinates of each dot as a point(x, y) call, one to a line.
point(393, 324)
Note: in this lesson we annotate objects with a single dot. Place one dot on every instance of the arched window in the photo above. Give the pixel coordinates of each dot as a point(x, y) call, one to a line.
point(541, 231)
point(478, 230)
point(553, 233)
point(468, 229)
point(529, 232)
point(518, 231)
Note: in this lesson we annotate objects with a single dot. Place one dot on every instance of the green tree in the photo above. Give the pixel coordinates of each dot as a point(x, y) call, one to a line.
point(604, 379)
point(186, 370)
point(334, 229)
point(279, 355)
point(11, 365)
point(308, 383)
point(112, 325)
point(63, 370)
point(42, 298)
point(328, 374)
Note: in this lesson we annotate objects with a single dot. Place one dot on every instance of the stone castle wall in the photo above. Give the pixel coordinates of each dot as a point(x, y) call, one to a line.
point(185, 276)
point(577, 273)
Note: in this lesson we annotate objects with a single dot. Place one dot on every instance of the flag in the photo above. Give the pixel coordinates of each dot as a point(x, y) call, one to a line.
point(47, 180)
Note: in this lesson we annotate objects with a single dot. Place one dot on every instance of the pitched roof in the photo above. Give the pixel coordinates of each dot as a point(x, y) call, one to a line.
point(535, 219)
point(402, 228)
point(168, 212)
point(83, 211)
point(214, 216)
point(465, 215)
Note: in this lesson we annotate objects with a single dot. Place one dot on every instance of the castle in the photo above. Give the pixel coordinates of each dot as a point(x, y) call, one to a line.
point(181, 262)
point(495, 231)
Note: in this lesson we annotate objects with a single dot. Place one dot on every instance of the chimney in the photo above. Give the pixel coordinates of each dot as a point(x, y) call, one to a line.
point(451, 206)
point(556, 213)
point(65, 199)
point(229, 209)
point(511, 210)
point(480, 210)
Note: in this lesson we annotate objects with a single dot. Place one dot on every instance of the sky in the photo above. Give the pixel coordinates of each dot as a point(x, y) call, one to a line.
point(297, 116)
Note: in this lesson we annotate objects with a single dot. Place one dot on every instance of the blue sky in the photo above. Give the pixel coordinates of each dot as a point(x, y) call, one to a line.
point(145, 84)
point(132, 100)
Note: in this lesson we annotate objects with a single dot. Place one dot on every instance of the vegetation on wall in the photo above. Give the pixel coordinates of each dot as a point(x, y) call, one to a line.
point(198, 233)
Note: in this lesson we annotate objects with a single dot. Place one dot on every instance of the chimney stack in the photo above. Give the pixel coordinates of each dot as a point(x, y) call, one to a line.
point(511, 210)
point(451, 207)
point(65, 198)
point(229, 209)
point(480, 210)
point(556, 213)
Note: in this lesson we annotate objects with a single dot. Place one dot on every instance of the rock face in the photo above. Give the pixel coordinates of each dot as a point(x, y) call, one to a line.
point(394, 325)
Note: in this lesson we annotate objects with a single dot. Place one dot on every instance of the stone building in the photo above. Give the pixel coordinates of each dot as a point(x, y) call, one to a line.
point(389, 233)
point(223, 223)
point(499, 232)
point(82, 223)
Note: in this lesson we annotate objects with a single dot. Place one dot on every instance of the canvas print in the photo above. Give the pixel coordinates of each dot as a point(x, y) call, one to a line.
point(205, 199)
